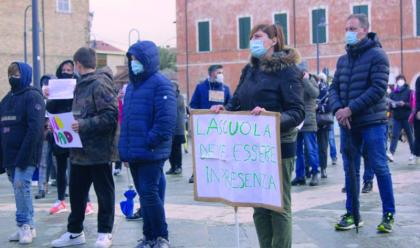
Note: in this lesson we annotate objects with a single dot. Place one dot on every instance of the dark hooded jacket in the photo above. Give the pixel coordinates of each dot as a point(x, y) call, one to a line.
point(149, 110)
point(96, 109)
point(360, 82)
point(276, 85)
point(401, 94)
point(22, 113)
point(59, 106)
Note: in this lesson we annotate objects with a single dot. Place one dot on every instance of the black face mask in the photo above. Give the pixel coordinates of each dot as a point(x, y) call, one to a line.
point(67, 75)
point(14, 82)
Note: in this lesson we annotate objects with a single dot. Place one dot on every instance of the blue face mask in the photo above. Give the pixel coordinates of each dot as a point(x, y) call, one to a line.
point(257, 48)
point(351, 38)
point(136, 67)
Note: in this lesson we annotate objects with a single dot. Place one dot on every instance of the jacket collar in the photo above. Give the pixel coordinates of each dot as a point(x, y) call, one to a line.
point(279, 61)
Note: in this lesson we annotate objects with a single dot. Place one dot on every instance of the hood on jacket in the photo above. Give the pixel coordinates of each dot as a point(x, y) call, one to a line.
point(280, 60)
point(148, 54)
point(58, 73)
point(25, 74)
point(106, 71)
point(44, 79)
point(371, 40)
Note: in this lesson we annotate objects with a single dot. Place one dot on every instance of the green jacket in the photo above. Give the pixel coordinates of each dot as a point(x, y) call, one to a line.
point(95, 107)
point(311, 93)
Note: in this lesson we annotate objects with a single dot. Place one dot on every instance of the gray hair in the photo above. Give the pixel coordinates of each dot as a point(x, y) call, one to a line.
point(363, 20)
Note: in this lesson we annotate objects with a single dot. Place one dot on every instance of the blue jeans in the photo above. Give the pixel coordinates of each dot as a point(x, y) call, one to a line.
point(396, 131)
point(373, 139)
point(21, 180)
point(150, 183)
point(331, 141)
point(307, 139)
point(368, 173)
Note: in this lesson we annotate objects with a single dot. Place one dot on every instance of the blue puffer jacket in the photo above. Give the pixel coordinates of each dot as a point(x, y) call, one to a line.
point(149, 111)
point(200, 98)
point(360, 82)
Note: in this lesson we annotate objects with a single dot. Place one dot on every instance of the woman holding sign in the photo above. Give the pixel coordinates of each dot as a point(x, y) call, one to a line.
point(272, 82)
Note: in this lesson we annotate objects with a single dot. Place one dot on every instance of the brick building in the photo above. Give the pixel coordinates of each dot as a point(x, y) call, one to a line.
point(66, 28)
point(218, 31)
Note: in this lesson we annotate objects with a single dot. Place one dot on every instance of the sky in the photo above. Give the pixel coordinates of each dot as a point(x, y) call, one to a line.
point(113, 19)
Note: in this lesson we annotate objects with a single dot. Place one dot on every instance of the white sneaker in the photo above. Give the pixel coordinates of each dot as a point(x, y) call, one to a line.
point(69, 239)
point(104, 240)
point(25, 234)
point(390, 157)
point(15, 236)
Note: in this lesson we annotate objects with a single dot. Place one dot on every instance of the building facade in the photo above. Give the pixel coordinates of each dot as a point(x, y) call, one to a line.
point(210, 32)
point(108, 55)
point(66, 27)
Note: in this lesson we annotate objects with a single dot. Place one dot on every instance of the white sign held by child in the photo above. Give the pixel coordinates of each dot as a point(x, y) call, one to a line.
point(64, 135)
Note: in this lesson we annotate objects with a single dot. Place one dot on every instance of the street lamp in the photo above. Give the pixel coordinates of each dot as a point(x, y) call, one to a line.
point(25, 34)
point(35, 43)
point(129, 35)
point(318, 26)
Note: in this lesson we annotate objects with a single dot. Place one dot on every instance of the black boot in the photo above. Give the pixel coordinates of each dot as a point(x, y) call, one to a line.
point(171, 171)
point(314, 180)
point(191, 179)
point(40, 195)
point(324, 173)
point(367, 187)
point(298, 181)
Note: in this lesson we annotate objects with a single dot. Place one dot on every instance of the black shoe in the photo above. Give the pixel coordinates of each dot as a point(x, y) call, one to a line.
point(54, 183)
point(191, 179)
point(343, 190)
point(178, 171)
point(171, 171)
point(367, 187)
point(314, 180)
point(40, 195)
point(324, 173)
point(308, 173)
point(334, 161)
point(298, 181)
point(136, 216)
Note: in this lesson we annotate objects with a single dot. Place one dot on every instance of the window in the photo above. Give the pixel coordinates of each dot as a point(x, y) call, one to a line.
point(319, 27)
point(204, 36)
point(361, 9)
point(417, 13)
point(281, 19)
point(101, 60)
point(63, 6)
point(244, 32)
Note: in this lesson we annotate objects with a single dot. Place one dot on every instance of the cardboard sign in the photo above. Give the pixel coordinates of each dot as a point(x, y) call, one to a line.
point(237, 158)
point(64, 135)
point(61, 88)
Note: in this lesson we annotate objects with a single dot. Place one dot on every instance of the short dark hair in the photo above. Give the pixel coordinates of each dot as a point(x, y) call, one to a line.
point(363, 19)
point(212, 68)
point(401, 76)
point(86, 56)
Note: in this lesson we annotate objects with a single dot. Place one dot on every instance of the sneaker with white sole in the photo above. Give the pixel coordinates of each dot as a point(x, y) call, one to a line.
point(104, 240)
point(69, 239)
point(15, 236)
point(390, 157)
point(58, 207)
point(412, 159)
point(25, 234)
point(161, 243)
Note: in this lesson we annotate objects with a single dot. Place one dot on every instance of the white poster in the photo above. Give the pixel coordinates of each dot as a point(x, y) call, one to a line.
point(64, 135)
point(61, 88)
point(236, 158)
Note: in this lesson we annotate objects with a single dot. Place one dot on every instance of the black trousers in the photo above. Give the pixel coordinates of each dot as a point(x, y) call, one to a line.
point(416, 137)
point(81, 178)
point(322, 138)
point(175, 159)
point(61, 176)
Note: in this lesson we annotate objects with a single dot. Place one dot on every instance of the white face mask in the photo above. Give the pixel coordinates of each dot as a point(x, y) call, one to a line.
point(400, 83)
point(220, 78)
point(388, 91)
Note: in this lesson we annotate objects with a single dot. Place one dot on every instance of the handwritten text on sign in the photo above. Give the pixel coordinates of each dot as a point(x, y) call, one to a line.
point(64, 135)
point(236, 159)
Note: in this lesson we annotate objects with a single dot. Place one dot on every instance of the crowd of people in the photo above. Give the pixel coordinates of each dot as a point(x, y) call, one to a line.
point(143, 123)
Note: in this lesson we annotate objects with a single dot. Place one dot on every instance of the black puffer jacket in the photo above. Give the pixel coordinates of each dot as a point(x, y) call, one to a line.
point(401, 112)
point(360, 82)
point(276, 85)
